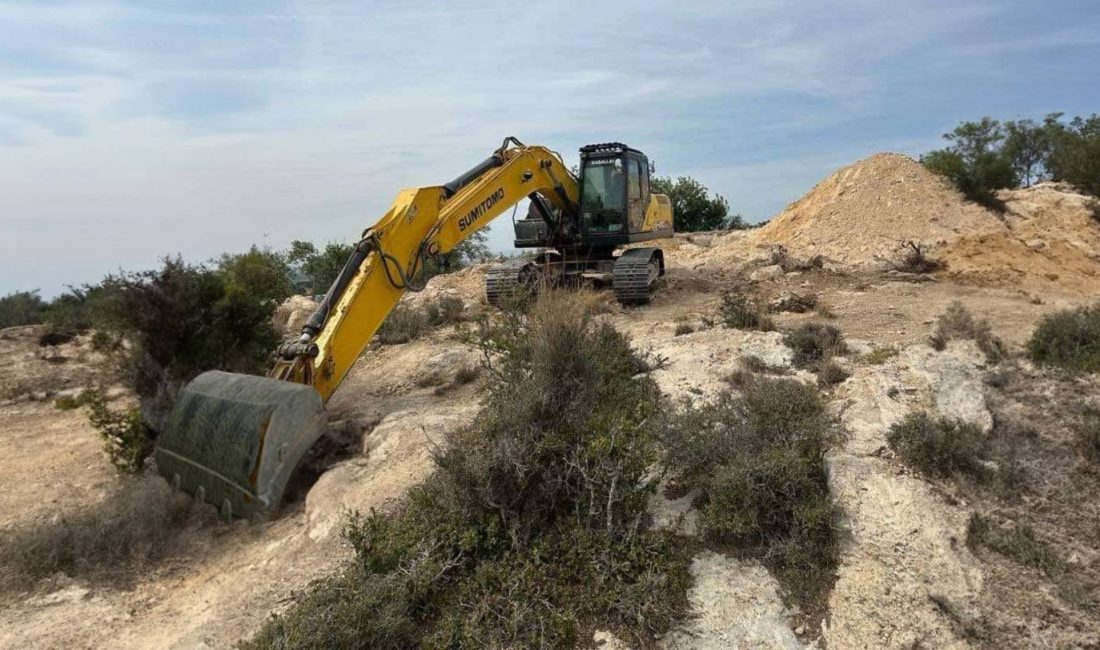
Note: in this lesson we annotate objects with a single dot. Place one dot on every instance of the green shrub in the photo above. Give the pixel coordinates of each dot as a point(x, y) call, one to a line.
point(831, 373)
point(21, 308)
point(182, 320)
point(316, 270)
point(739, 312)
point(1068, 339)
point(531, 529)
point(757, 459)
point(880, 355)
point(937, 446)
point(976, 162)
point(958, 323)
point(263, 273)
point(70, 402)
point(405, 323)
point(814, 343)
point(446, 310)
point(125, 436)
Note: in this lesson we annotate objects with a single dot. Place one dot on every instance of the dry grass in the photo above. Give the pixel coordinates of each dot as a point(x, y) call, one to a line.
point(140, 522)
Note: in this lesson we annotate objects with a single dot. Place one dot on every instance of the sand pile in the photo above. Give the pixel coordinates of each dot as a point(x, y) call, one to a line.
point(863, 213)
point(1050, 237)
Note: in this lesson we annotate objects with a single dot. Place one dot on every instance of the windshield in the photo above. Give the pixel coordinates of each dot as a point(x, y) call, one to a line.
point(602, 194)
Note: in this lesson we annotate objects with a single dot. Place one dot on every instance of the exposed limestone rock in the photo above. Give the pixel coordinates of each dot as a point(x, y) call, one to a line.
point(906, 550)
point(954, 378)
point(397, 456)
point(768, 346)
point(772, 272)
point(734, 604)
point(293, 313)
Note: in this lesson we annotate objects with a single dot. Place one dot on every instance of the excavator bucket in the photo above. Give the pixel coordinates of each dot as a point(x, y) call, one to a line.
point(234, 440)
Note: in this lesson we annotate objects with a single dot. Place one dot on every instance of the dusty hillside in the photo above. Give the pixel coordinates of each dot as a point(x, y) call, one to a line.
point(1050, 238)
point(864, 212)
point(907, 578)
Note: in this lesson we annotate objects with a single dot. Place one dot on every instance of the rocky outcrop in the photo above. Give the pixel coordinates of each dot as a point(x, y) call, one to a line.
point(906, 577)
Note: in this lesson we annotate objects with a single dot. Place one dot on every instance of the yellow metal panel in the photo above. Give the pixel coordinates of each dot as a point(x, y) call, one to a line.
point(425, 215)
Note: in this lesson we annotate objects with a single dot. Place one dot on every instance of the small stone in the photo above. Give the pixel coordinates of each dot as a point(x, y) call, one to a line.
point(773, 272)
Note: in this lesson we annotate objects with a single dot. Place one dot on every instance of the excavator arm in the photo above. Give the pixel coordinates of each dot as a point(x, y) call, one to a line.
point(234, 440)
point(389, 258)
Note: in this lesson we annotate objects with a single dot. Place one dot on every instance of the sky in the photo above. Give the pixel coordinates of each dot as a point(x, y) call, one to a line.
point(134, 130)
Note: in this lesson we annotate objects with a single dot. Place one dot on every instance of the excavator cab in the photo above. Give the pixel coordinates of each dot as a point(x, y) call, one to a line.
point(614, 182)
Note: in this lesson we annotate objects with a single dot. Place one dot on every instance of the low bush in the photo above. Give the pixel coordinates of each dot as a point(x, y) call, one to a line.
point(137, 523)
point(937, 446)
point(915, 259)
point(405, 323)
point(466, 375)
point(1068, 339)
point(532, 529)
point(831, 373)
point(958, 323)
point(71, 402)
point(757, 460)
point(739, 312)
point(125, 436)
point(814, 343)
point(21, 308)
point(182, 320)
point(795, 303)
point(683, 329)
point(880, 355)
point(408, 323)
point(447, 310)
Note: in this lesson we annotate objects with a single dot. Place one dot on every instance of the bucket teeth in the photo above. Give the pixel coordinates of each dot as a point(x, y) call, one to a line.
point(234, 440)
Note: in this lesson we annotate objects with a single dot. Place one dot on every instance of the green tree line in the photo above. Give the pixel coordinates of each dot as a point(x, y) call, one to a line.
point(989, 155)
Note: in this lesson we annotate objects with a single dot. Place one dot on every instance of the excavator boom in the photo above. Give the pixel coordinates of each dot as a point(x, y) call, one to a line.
point(234, 440)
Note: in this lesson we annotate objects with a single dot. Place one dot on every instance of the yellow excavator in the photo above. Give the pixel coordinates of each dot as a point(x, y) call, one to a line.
point(234, 440)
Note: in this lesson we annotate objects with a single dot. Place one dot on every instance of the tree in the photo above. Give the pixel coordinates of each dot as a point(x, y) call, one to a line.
point(319, 268)
point(472, 249)
point(693, 209)
point(976, 161)
point(21, 308)
point(262, 273)
point(1027, 145)
point(1074, 155)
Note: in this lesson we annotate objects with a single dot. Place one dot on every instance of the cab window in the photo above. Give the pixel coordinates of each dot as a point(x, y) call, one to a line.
point(635, 209)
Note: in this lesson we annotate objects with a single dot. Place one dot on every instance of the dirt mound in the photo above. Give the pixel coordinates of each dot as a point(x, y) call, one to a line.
point(864, 212)
point(1049, 237)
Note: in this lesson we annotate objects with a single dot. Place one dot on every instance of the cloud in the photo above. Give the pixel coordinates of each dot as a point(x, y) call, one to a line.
point(132, 130)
